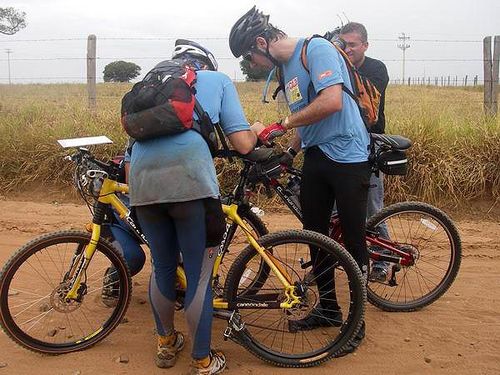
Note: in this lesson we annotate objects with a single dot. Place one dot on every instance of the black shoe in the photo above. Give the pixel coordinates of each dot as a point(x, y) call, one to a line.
point(318, 317)
point(354, 343)
point(110, 287)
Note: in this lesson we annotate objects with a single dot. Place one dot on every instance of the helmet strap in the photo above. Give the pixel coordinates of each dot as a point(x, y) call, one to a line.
point(271, 58)
point(267, 54)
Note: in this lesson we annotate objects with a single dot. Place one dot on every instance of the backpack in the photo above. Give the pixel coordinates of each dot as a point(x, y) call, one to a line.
point(364, 93)
point(163, 103)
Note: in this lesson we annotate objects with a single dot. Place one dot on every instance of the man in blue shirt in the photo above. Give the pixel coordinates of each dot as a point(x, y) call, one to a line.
point(332, 135)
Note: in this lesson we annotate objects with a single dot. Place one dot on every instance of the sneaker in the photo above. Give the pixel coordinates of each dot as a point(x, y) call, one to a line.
point(110, 287)
point(379, 272)
point(168, 348)
point(318, 317)
point(380, 269)
point(354, 343)
point(216, 366)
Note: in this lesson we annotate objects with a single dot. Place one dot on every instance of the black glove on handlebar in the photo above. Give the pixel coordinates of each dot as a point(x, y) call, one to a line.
point(286, 159)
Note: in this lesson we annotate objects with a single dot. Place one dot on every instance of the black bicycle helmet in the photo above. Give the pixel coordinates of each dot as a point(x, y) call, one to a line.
point(193, 52)
point(246, 29)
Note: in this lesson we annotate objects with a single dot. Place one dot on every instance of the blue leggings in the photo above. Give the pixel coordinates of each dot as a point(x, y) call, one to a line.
point(128, 244)
point(120, 235)
point(168, 227)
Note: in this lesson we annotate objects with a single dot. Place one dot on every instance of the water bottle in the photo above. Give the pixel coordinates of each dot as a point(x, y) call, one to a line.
point(293, 190)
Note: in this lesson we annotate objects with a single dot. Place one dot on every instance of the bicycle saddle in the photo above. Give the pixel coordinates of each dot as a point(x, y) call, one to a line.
point(396, 142)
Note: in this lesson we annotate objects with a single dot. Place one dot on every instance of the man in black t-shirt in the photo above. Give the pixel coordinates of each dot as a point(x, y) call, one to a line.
point(356, 43)
point(355, 38)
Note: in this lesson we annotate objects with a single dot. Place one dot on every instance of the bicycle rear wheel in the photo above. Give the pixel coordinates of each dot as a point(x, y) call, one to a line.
point(270, 332)
point(34, 282)
point(431, 237)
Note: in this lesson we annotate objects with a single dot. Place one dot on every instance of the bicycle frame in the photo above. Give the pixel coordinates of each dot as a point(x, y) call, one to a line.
point(107, 196)
point(335, 232)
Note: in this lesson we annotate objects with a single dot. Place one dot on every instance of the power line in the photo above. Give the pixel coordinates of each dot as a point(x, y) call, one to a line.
point(218, 58)
point(221, 38)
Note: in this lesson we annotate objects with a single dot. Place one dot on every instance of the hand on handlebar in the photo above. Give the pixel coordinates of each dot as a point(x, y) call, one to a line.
point(272, 131)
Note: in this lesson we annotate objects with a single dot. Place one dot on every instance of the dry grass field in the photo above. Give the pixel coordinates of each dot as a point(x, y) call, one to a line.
point(455, 157)
point(455, 161)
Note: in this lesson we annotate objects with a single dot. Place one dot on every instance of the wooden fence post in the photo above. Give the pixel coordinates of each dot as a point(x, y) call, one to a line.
point(494, 74)
point(91, 72)
point(465, 80)
point(490, 65)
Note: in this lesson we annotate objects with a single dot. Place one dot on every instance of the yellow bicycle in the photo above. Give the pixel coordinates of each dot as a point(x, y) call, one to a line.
point(51, 300)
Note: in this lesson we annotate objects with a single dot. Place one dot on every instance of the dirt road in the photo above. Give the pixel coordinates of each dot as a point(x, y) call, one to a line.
point(458, 334)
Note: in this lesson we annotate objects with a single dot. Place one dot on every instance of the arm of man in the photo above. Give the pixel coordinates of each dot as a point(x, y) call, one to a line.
point(234, 124)
point(243, 141)
point(325, 104)
point(324, 66)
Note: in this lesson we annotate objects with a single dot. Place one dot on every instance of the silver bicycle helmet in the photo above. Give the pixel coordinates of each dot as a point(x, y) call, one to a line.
point(193, 52)
point(243, 33)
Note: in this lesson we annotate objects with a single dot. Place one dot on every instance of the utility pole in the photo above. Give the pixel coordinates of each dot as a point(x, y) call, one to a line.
point(403, 46)
point(8, 51)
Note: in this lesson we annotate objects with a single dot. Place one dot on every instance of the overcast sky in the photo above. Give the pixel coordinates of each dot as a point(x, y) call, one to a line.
point(439, 30)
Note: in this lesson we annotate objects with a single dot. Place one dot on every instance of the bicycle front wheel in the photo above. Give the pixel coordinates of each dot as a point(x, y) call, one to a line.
point(334, 308)
point(35, 280)
point(432, 239)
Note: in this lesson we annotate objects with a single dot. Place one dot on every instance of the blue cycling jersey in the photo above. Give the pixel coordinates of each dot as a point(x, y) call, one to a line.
point(342, 136)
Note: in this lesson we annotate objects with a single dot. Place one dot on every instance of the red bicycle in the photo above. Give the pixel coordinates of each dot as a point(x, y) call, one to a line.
point(419, 243)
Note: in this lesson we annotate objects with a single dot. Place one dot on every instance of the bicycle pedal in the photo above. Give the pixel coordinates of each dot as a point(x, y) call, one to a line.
point(227, 333)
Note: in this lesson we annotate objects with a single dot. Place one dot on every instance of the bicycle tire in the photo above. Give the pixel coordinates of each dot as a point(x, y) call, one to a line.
point(238, 241)
point(42, 337)
point(443, 234)
point(277, 354)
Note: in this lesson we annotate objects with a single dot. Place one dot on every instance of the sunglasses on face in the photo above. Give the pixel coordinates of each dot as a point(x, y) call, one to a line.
point(248, 55)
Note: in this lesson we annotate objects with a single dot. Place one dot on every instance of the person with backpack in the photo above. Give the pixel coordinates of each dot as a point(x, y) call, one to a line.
point(332, 134)
point(174, 189)
point(116, 230)
point(355, 38)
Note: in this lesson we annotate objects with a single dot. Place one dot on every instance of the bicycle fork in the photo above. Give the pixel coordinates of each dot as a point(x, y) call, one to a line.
point(76, 288)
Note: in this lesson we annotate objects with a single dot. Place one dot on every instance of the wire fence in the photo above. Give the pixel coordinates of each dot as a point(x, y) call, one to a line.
point(35, 60)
